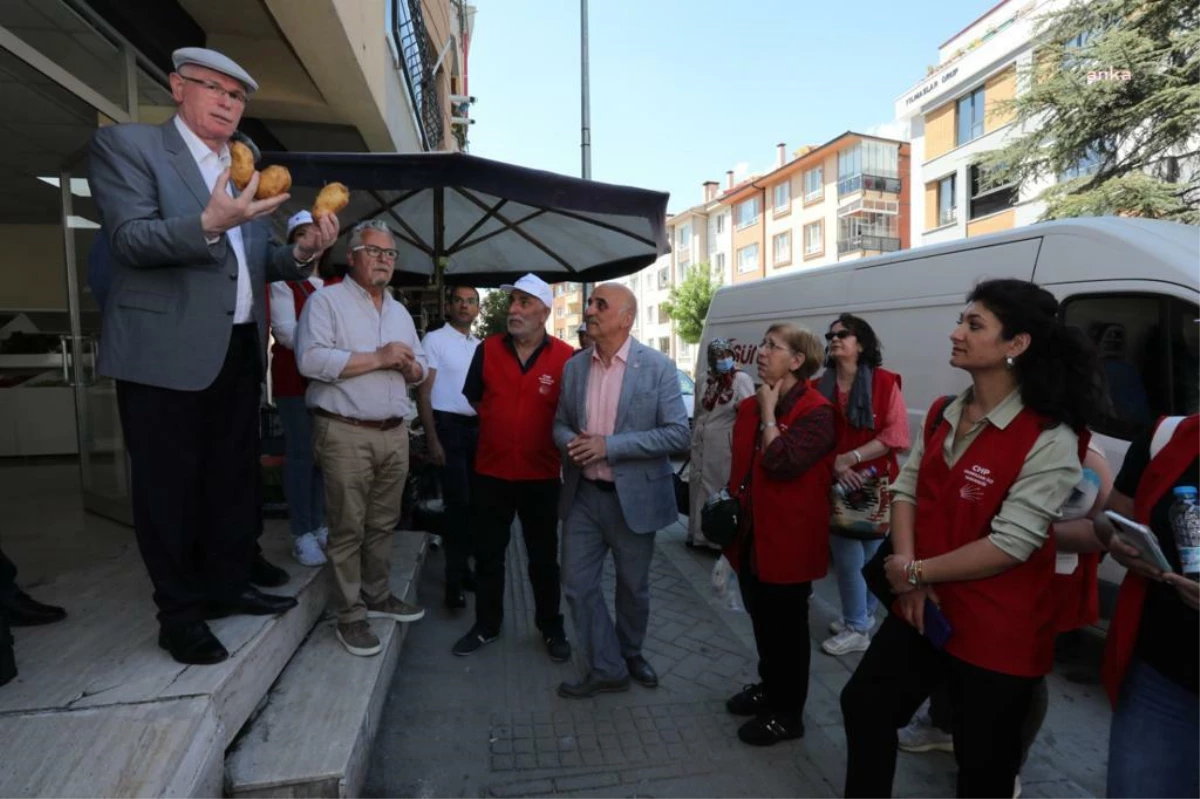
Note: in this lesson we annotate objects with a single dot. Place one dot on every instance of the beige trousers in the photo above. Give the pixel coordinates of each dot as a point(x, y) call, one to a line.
point(364, 472)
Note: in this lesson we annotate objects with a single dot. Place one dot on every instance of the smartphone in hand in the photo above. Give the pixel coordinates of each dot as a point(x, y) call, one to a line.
point(937, 626)
point(1142, 538)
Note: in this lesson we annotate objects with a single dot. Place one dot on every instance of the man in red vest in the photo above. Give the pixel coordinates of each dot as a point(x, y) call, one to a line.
point(513, 383)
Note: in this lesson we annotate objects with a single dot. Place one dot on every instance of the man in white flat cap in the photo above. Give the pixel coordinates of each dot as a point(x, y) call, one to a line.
point(303, 486)
point(184, 335)
point(513, 384)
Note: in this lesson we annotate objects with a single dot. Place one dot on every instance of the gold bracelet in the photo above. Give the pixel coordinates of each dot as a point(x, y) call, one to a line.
point(857, 457)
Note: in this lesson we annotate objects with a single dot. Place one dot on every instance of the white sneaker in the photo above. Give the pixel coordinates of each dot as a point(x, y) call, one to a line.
point(307, 550)
point(838, 625)
point(1017, 787)
point(921, 736)
point(845, 642)
point(322, 534)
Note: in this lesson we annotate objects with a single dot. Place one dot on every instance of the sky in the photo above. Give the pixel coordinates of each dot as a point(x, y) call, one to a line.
point(683, 91)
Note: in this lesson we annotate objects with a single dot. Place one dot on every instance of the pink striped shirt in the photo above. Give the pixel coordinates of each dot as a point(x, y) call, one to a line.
point(603, 396)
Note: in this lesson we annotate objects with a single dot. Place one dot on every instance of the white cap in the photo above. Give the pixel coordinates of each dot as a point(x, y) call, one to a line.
point(203, 57)
point(298, 219)
point(533, 285)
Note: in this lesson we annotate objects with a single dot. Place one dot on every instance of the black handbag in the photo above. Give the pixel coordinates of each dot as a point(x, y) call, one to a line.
point(721, 514)
point(682, 489)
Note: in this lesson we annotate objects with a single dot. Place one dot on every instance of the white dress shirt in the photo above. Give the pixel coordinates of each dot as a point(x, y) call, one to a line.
point(450, 353)
point(338, 321)
point(283, 311)
point(211, 164)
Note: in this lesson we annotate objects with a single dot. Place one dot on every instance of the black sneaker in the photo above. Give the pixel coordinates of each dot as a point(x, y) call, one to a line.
point(558, 646)
point(750, 701)
point(771, 728)
point(474, 639)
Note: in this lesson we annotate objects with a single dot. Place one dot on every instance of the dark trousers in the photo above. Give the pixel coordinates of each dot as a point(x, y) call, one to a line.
point(941, 714)
point(494, 503)
point(779, 613)
point(899, 670)
point(8, 590)
point(195, 481)
point(8, 577)
point(460, 438)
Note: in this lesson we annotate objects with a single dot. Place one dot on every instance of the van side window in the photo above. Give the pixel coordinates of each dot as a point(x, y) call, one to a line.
point(1148, 346)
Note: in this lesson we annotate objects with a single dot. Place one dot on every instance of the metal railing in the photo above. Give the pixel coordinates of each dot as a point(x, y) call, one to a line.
point(416, 62)
point(868, 244)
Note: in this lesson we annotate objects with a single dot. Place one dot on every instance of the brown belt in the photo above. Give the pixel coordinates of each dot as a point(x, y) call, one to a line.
point(386, 424)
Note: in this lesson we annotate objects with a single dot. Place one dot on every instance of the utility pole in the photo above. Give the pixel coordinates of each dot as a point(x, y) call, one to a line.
point(585, 133)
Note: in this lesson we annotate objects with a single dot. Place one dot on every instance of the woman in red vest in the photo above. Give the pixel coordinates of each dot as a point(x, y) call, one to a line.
point(1152, 656)
point(973, 556)
point(302, 484)
point(872, 425)
point(782, 457)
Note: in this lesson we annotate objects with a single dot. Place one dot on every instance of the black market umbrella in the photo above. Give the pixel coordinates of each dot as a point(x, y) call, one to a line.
point(484, 221)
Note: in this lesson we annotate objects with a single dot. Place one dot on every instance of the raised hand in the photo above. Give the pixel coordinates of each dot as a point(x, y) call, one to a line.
point(224, 212)
point(316, 238)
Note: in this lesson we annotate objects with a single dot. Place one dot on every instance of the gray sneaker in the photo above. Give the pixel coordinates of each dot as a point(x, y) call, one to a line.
point(921, 736)
point(393, 608)
point(358, 639)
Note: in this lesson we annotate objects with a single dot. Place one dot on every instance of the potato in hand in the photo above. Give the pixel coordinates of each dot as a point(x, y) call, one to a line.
point(332, 199)
point(242, 167)
point(273, 181)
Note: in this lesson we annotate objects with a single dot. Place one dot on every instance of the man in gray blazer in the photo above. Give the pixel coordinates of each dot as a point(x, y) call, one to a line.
point(184, 335)
point(620, 417)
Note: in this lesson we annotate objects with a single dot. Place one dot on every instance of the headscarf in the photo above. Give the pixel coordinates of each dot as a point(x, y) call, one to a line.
point(720, 386)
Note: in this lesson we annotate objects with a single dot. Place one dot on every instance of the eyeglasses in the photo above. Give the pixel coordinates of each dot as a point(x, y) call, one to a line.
point(461, 300)
point(843, 334)
point(767, 344)
point(378, 253)
point(216, 89)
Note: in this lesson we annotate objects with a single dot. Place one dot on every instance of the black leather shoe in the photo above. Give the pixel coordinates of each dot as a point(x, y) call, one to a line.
point(590, 686)
point(456, 600)
point(641, 671)
point(750, 701)
point(25, 611)
point(250, 602)
point(557, 646)
point(266, 574)
point(771, 728)
point(193, 644)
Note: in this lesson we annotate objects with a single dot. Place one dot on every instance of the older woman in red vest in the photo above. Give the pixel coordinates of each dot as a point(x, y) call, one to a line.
point(973, 555)
point(302, 484)
point(781, 473)
point(1152, 658)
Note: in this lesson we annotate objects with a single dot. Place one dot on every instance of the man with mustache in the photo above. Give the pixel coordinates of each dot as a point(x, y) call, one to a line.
point(359, 349)
point(513, 383)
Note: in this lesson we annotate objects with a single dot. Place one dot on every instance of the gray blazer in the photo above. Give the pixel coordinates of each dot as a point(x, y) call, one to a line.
point(169, 313)
point(652, 424)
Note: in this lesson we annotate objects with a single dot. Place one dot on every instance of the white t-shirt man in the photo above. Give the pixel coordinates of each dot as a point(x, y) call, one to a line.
point(449, 353)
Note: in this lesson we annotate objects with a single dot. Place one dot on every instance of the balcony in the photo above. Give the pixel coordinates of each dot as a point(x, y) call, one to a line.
point(416, 62)
point(864, 243)
point(861, 182)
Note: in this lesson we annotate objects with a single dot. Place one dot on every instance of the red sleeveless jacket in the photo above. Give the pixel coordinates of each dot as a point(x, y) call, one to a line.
point(286, 380)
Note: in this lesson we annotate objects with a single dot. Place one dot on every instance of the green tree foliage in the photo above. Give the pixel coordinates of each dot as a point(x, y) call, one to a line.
point(688, 302)
point(493, 314)
point(1113, 82)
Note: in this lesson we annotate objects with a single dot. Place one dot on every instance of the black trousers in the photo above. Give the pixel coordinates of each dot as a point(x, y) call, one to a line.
point(494, 504)
point(897, 673)
point(779, 613)
point(195, 481)
point(941, 714)
point(460, 438)
point(8, 577)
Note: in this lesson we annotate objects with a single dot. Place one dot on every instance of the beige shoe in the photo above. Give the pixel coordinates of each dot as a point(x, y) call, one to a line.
point(358, 639)
point(393, 608)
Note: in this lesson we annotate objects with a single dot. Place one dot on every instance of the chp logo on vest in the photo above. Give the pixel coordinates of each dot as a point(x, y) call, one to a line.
point(977, 479)
point(545, 384)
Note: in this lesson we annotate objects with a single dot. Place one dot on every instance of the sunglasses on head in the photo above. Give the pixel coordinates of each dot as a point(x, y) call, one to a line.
point(831, 335)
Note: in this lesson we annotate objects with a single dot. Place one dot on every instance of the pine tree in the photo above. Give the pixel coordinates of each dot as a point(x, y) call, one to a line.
point(687, 304)
point(1114, 83)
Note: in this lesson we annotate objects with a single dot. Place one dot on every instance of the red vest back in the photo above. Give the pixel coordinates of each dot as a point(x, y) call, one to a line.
point(1004, 623)
point(790, 517)
point(286, 380)
point(1160, 475)
point(516, 414)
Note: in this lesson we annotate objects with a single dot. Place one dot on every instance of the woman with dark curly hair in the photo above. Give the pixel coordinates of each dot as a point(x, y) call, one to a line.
point(872, 426)
point(712, 436)
point(973, 557)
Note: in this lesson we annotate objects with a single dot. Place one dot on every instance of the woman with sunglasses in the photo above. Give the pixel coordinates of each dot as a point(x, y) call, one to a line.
point(872, 425)
point(782, 445)
point(973, 558)
point(712, 437)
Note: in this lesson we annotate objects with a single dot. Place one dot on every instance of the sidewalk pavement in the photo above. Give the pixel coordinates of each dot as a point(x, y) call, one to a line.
point(492, 725)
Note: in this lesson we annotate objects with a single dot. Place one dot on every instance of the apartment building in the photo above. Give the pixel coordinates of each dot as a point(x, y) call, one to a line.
point(567, 313)
point(845, 199)
point(955, 116)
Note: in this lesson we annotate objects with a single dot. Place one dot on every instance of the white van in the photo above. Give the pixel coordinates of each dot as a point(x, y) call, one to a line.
point(1132, 285)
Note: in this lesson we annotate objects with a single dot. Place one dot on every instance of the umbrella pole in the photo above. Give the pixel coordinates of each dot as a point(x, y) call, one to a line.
point(586, 112)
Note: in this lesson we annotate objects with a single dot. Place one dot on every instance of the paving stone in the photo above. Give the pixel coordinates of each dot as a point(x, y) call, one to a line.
point(502, 763)
point(585, 782)
point(526, 761)
point(502, 747)
point(530, 788)
point(548, 760)
point(523, 746)
point(570, 759)
point(593, 758)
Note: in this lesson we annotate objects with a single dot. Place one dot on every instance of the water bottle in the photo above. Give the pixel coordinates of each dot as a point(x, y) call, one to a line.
point(865, 474)
point(1185, 523)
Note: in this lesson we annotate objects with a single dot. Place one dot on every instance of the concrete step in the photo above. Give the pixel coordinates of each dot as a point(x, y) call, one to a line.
point(314, 735)
point(100, 710)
